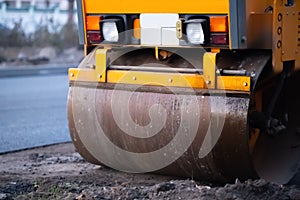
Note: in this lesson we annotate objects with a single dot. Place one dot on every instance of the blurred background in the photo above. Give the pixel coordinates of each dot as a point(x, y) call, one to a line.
point(28, 27)
point(38, 43)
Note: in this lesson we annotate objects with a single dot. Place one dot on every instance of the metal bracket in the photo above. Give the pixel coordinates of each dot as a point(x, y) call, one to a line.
point(209, 69)
point(179, 28)
point(101, 64)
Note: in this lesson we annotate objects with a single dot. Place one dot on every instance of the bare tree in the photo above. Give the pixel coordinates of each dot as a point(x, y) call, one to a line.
point(47, 3)
point(70, 11)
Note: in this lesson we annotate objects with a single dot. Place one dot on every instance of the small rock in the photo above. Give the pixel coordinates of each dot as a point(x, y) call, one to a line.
point(260, 183)
point(52, 160)
point(294, 194)
point(81, 197)
point(73, 190)
point(133, 193)
point(222, 193)
point(70, 196)
point(200, 187)
point(97, 167)
point(33, 156)
point(249, 182)
point(165, 187)
point(3, 196)
point(237, 181)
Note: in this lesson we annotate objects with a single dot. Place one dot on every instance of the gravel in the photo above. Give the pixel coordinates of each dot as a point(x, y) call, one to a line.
point(59, 172)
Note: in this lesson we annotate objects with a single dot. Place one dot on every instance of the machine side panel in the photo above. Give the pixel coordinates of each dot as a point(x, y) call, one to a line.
point(80, 22)
point(238, 24)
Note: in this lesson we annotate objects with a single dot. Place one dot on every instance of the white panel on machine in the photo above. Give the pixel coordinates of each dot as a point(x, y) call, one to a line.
point(159, 29)
point(168, 36)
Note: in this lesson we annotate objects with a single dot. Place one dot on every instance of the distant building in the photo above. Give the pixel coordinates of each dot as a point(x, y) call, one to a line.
point(31, 15)
point(62, 4)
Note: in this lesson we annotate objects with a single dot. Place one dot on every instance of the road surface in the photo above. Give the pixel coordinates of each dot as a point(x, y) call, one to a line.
point(33, 111)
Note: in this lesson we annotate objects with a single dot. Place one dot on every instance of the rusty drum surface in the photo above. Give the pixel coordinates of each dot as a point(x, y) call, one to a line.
point(182, 133)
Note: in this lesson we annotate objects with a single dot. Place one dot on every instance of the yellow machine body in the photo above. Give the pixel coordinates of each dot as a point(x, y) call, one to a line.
point(200, 89)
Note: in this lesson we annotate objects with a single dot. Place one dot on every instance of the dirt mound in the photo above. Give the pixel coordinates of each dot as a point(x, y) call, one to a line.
point(58, 172)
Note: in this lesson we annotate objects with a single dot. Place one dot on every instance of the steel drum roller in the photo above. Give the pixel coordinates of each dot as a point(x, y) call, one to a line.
point(199, 134)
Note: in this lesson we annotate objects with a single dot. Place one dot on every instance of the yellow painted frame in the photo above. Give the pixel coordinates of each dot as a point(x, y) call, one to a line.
point(240, 83)
point(232, 83)
point(157, 6)
point(156, 79)
point(85, 75)
point(139, 78)
point(100, 73)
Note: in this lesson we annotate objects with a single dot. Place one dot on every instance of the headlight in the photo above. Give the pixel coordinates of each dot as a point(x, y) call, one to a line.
point(197, 31)
point(111, 29)
point(110, 32)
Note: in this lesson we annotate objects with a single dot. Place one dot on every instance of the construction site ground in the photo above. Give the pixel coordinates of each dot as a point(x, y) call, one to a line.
point(59, 172)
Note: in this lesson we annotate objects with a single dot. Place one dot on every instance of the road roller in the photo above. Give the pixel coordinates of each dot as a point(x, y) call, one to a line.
point(205, 90)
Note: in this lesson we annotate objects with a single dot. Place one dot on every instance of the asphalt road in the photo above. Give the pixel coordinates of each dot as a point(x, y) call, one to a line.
point(33, 111)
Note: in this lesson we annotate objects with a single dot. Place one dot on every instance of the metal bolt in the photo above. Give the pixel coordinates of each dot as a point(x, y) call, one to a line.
point(170, 80)
point(99, 76)
point(296, 51)
point(134, 78)
point(72, 74)
point(287, 13)
point(282, 52)
point(208, 82)
point(244, 39)
point(279, 18)
point(245, 84)
point(279, 44)
point(279, 30)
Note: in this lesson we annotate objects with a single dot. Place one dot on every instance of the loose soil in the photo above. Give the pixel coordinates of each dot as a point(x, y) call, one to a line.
point(59, 172)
